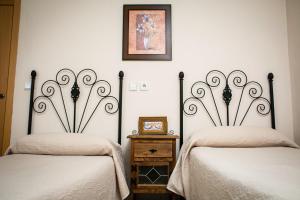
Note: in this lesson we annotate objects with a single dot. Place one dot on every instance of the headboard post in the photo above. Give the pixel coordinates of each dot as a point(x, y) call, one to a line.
point(270, 78)
point(121, 75)
point(181, 76)
point(33, 75)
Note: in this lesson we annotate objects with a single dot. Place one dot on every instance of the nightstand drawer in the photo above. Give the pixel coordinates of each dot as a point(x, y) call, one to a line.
point(152, 150)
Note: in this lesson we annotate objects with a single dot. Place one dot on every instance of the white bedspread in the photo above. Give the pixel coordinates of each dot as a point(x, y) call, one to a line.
point(237, 163)
point(244, 173)
point(63, 166)
point(43, 177)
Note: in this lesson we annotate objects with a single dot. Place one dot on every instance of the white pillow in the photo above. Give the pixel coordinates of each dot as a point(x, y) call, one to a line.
point(63, 144)
point(241, 136)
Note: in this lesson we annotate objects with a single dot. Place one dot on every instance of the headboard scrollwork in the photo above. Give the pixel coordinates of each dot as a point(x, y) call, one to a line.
point(67, 78)
point(236, 79)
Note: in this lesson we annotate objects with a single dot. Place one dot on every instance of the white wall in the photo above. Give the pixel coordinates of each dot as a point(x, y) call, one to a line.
point(293, 22)
point(235, 34)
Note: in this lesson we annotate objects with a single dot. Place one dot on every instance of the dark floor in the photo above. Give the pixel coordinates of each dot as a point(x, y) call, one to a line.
point(151, 197)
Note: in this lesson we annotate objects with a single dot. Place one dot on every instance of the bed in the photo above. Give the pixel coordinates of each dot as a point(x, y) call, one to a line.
point(230, 160)
point(67, 164)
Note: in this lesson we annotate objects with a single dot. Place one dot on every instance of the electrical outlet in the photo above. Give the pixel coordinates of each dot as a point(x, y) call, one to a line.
point(144, 86)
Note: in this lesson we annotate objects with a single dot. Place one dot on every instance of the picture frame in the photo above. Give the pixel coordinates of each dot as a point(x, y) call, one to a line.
point(147, 32)
point(153, 125)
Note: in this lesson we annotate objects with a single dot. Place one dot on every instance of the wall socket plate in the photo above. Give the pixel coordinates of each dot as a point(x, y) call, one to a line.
point(144, 86)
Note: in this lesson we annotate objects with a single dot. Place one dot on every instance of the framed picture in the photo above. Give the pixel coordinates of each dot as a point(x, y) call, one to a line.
point(147, 32)
point(153, 125)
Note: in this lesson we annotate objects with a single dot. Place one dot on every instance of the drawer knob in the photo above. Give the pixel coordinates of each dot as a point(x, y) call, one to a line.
point(153, 150)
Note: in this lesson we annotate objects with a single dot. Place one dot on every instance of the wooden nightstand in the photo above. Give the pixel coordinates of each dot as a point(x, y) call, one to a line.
point(153, 158)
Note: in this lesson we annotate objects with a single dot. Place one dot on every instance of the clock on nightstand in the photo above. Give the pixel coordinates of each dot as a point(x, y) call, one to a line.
point(153, 158)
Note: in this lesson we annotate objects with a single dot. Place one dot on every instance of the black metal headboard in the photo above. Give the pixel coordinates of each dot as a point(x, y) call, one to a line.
point(236, 78)
point(86, 78)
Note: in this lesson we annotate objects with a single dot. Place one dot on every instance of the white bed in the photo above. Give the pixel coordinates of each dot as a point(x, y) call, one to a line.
point(237, 163)
point(61, 167)
point(244, 173)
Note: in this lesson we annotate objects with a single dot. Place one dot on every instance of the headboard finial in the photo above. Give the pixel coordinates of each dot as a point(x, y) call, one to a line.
point(33, 73)
point(181, 75)
point(270, 76)
point(121, 74)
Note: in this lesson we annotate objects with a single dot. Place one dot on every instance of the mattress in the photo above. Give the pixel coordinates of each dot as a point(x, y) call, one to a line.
point(244, 173)
point(47, 177)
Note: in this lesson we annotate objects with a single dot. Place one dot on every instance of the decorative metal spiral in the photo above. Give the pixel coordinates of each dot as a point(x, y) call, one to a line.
point(48, 89)
point(198, 89)
point(264, 106)
point(255, 90)
point(39, 104)
point(213, 78)
point(239, 78)
point(189, 107)
point(103, 88)
point(63, 76)
point(89, 76)
point(112, 106)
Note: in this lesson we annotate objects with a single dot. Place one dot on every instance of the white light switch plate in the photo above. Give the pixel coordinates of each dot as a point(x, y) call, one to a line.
point(27, 85)
point(133, 86)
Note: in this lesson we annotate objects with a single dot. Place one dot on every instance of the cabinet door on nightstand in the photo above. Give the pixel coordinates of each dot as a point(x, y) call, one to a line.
point(152, 174)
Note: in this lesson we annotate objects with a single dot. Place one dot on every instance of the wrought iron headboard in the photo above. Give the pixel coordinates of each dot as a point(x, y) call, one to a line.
point(87, 78)
point(213, 79)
